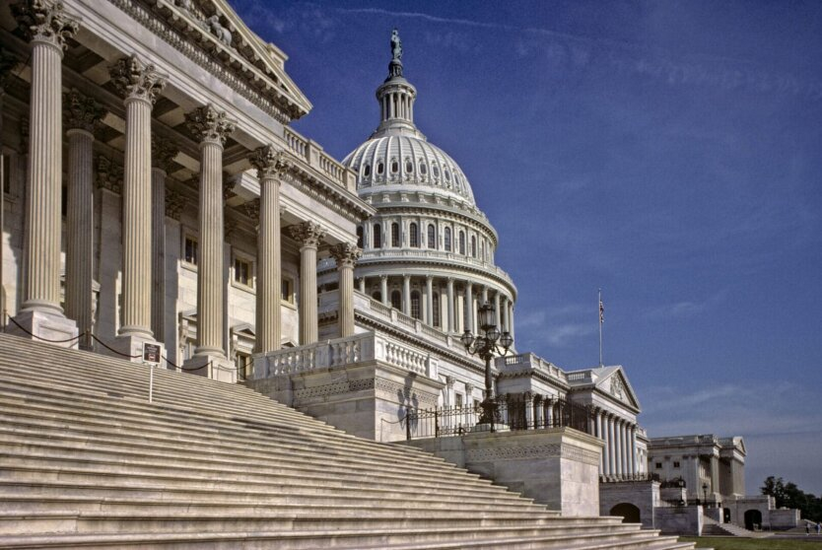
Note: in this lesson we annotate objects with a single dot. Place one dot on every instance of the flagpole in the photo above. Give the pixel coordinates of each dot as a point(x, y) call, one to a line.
point(600, 327)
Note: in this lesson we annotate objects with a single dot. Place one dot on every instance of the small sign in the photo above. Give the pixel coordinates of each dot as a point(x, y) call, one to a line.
point(152, 353)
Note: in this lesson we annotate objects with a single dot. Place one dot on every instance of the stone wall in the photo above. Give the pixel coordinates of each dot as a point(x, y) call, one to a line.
point(642, 494)
point(784, 519)
point(557, 467)
point(679, 520)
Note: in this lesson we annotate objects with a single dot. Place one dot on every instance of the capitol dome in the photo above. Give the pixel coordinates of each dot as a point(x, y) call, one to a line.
point(428, 252)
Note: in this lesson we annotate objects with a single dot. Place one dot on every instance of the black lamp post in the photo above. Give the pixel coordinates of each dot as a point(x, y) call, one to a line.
point(484, 345)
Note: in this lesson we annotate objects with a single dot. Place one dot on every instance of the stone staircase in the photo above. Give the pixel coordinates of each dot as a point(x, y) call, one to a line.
point(87, 462)
point(712, 528)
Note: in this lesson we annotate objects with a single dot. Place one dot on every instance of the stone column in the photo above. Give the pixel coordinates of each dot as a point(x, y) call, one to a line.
point(362, 284)
point(634, 468)
point(309, 235)
point(386, 299)
point(8, 62)
point(485, 297)
point(714, 475)
point(47, 27)
point(346, 255)
point(139, 84)
point(504, 314)
point(611, 446)
point(429, 300)
point(469, 307)
point(605, 469)
point(82, 114)
point(162, 156)
point(549, 413)
point(511, 317)
point(497, 312)
point(271, 165)
point(406, 294)
point(539, 412)
point(451, 327)
point(211, 127)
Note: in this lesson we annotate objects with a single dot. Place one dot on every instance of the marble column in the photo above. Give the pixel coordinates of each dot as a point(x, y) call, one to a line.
point(549, 413)
point(406, 294)
point(469, 307)
point(539, 412)
point(162, 156)
point(605, 468)
point(386, 299)
point(211, 128)
point(497, 312)
point(361, 282)
point(346, 255)
point(82, 115)
point(451, 327)
point(308, 235)
point(429, 300)
point(139, 84)
point(611, 446)
point(8, 62)
point(504, 314)
point(485, 297)
point(633, 457)
point(271, 165)
point(47, 27)
point(511, 317)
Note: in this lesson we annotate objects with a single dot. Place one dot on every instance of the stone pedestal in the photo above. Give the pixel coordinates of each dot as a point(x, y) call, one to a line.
point(50, 327)
point(212, 366)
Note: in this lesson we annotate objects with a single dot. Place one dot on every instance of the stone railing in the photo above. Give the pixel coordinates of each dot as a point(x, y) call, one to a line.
point(314, 155)
point(531, 362)
point(341, 352)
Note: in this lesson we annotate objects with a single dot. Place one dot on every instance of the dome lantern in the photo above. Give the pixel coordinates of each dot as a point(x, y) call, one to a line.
point(396, 97)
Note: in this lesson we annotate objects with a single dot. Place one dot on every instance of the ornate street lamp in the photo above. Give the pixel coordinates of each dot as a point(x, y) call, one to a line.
point(484, 345)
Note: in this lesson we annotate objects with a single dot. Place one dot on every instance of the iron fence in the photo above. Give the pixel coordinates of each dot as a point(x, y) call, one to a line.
point(509, 413)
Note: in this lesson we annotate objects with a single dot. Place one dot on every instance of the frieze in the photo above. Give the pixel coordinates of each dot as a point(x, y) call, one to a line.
point(336, 388)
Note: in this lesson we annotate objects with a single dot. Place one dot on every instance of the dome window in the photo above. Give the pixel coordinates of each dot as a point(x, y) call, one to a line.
point(395, 166)
point(432, 236)
point(416, 310)
point(380, 168)
point(366, 170)
point(436, 171)
point(462, 243)
point(409, 166)
point(396, 299)
point(413, 236)
point(447, 175)
point(359, 236)
point(377, 235)
point(423, 169)
point(447, 239)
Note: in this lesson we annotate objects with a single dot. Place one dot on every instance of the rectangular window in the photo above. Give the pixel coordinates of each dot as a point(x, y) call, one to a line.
point(242, 272)
point(191, 252)
point(6, 167)
point(458, 400)
point(658, 465)
point(244, 366)
point(676, 464)
point(286, 291)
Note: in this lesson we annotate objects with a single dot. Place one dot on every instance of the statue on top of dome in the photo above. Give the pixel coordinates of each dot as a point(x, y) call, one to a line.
point(396, 46)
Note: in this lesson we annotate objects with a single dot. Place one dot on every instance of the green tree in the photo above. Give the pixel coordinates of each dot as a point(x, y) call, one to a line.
point(788, 495)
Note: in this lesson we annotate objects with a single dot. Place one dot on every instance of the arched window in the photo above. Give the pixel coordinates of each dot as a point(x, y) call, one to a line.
point(366, 170)
point(432, 236)
point(482, 251)
point(416, 311)
point(380, 168)
point(396, 299)
point(377, 296)
point(435, 303)
point(423, 169)
point(462, 243)
point(395, 235)
point(447, 239)
point(395, 166)
point(413, 235)
point(474, 246)
point(377, 235)
point(436, 171)
point(359, 236)
point(409, 166)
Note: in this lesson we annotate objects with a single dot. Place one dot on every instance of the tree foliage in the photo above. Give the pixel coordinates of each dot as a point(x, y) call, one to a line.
point(788, 495)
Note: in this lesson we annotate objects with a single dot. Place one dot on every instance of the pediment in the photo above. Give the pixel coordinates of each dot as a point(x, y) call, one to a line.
point(616, 385)
point(213, 26)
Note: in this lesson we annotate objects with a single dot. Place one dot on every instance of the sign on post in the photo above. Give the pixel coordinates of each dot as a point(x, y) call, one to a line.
point(152, 356)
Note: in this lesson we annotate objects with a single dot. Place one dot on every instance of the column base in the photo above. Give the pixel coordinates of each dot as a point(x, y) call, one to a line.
point(215, 366)
point(45, 326)
point(130, 345)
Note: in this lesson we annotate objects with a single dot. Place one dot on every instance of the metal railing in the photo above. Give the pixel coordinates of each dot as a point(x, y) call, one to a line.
point(510, 414)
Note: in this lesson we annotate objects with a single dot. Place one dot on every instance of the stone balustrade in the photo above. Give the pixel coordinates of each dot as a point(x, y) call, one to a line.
point(340, 352)
point(314, 155)
point(529, 361)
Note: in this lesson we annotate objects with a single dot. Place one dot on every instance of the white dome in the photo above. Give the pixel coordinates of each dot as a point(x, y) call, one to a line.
point(389, 162)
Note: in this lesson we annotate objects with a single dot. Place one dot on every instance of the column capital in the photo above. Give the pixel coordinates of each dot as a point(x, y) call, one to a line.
point(383, 277)
point(307, 233)
point(252, 209)
point(81, 112)
point(174, 204)
point(44, 21)
point(270, 162)
point(210, 125)
point(137, 80)
point(469, 388)
point(449, 381)
point(163, 152)
point(346, 254)
point(8, 62)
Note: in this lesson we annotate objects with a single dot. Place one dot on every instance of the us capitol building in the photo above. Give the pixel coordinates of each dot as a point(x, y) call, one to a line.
point(154, 192)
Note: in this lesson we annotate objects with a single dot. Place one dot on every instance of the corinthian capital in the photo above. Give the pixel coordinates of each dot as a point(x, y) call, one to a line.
point(307, 233)
point(209, 124)
point(81, 112)
point(44, 20)
point(270, 162)
point(346, 254)
point(162, 153)
point(136, 80)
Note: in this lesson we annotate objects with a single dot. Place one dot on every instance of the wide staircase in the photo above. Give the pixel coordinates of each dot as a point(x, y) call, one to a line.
point(712, 528)
point(87, 462)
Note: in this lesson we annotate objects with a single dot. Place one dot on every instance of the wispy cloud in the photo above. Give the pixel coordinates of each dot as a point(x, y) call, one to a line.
point(559, 327)
point(686, 308)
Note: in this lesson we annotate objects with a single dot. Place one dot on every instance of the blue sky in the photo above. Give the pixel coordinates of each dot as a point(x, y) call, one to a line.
point(669, 153)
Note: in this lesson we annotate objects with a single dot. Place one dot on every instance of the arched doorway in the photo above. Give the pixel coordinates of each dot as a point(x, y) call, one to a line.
point(753, 519)
point(629, 512)
point(726, 515)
